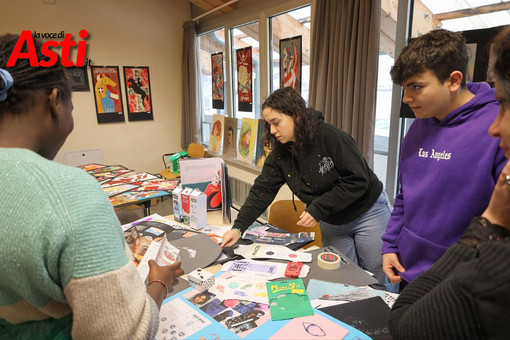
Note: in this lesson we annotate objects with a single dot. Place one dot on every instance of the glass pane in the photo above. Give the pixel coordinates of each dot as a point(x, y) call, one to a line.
point(383, 114)
point(209, 44)
point(384, 88)
point(242, 37)
point(288, 25)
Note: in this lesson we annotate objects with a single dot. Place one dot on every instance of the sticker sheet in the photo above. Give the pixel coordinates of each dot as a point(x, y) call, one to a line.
point(240, 288)
point(262, 270)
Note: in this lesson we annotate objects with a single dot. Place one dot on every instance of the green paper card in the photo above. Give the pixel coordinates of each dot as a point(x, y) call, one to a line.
point(288, 299)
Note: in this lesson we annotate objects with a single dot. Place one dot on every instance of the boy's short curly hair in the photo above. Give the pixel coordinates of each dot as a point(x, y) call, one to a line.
point(440, 51)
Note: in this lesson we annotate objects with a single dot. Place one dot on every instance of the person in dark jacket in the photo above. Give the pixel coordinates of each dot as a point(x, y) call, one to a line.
point(323, 167)
point(466, 294)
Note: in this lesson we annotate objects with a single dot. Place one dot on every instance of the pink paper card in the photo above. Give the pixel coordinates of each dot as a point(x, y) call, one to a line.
point(310, 327)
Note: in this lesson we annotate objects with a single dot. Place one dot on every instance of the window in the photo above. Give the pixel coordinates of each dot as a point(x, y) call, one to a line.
point(288, 25)
point(427, 15)
point(209, 44)
point(383, 115)
point(247, 27)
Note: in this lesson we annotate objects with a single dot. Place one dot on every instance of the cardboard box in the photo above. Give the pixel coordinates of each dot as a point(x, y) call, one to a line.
point(198, 209)
point(177, 203)
point(201, 279)
point(185, 205)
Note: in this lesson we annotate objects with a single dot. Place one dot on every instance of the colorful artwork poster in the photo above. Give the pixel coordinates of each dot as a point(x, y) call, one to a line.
point(262, 151)
point(103, 177)
point(157, 184)
point(471, 49)
point(490, 68)
point(144, 176)
point(107, 94)
point(290, 63)
point(247, 140)
point(216, 133)
point(115, 190)
point(138, 93)
point(288, 299)
point(244, 82)
point(239, 316)
point(230, 137)
point(217, 81)
point(136, 196)
point(106, 168)
point(91, 166)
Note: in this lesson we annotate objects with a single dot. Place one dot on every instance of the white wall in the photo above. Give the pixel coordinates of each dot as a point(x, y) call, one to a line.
point(121, 33)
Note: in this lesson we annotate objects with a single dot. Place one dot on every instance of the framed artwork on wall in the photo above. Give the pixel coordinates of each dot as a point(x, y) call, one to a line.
point(244, 78)
point(107, 94)
point(290, 63)
point(138, 93)
point(482, 54)
point(217, 81)
point(78, 78)
point(230, 137)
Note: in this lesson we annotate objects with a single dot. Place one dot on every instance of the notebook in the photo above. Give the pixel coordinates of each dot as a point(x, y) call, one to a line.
point(369, 316)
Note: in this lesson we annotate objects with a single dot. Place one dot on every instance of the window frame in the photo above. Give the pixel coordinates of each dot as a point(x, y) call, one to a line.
point(261, 12)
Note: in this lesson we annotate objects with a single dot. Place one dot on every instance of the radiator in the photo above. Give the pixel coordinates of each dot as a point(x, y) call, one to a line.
point(239, 191)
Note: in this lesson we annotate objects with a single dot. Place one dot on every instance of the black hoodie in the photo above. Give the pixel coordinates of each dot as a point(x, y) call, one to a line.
point(330, 176)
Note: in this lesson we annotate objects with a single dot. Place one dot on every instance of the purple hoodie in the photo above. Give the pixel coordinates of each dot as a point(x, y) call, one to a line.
point(447, 173)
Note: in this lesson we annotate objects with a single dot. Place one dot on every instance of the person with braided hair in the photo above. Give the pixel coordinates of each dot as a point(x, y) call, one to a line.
point(466, 293)
point(66, 269)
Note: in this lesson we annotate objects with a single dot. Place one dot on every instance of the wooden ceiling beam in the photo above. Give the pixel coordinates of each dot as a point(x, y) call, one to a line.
point(468, 12)
point(285, 26)
point(208, 5)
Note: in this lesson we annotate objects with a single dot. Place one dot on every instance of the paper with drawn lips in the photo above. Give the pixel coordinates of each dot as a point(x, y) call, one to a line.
point(197, 251)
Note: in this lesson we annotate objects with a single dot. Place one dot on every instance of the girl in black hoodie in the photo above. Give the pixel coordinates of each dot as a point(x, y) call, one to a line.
point(323, 167)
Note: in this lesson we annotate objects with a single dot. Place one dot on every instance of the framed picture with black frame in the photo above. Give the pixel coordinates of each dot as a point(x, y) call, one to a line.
point(138, 93)
point(107, 94)
point(290, 63)
point(78, 78)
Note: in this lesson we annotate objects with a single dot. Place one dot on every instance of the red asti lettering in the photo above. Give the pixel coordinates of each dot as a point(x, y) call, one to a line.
point(31, 54)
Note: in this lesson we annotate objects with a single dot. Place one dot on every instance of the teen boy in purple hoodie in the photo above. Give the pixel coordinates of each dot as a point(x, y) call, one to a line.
point(449, 164)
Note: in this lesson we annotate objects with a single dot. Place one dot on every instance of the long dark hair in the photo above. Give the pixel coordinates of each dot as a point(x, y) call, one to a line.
point(502, 63)
point(289, 102)
point(26, 78)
